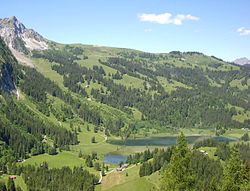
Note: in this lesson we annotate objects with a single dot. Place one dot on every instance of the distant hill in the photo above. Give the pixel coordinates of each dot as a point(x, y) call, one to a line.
point(242, 61)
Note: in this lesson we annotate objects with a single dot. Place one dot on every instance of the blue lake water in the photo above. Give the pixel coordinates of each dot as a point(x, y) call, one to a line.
point(114, 158)
point(163, 141)
point(154, 141)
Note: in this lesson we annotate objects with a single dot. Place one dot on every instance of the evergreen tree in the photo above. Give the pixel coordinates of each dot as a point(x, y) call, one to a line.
point(246, 177)
point(95, 129)
point(103, 169)
point(89, 162)
point(103, 172)
point(11, 185)
point(97, 166)
point(107, 168)
point(93, 139)
point(3, 186)
point(52, 150)
point(245, 137)
point(18, 188)
point(80, 154)
point(178, 174)
point(233, 172)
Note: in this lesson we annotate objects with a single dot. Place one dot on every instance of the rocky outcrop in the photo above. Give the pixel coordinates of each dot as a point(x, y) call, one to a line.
point(21, 40)
point(18, 37)
point(242, 61)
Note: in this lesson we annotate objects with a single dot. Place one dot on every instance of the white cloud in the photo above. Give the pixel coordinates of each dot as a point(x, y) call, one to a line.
point(243, 31)
point(147, 30)
point(166, 18)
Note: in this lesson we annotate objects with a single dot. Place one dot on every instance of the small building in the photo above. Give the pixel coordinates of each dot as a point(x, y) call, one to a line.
point(204, 152)
point(13, 177)
point(122, 167)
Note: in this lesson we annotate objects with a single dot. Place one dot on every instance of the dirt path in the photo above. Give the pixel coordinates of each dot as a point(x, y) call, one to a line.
point(100, 180)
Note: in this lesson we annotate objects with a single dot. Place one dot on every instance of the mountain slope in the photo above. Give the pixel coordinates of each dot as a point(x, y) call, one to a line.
point(175, 89)
point(6, 70)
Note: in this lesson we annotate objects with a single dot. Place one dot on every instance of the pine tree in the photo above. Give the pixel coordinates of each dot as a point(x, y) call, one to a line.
point(93, 139)
point(3, 186)
point(18, 188)
point(11, 185)
point(233, 172)
point(245, 137)
point(178, 174)
point(95, 129)
point(89, 162)
point(103, 172)
point(107, 168)
point(80, 154)
point(97, 166)
point(103, 169)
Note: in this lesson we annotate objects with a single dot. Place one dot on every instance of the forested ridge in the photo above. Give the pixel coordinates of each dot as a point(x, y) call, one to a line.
point(194, 103)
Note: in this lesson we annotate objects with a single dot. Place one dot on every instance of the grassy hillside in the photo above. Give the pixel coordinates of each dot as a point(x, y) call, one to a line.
point(129, 180)
point(176, 74)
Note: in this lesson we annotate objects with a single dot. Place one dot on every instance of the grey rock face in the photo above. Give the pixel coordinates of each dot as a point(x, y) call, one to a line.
point(242, 61)
point(19, 38)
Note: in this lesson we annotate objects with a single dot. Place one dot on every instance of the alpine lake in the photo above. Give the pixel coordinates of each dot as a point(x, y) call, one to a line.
point(114, 158)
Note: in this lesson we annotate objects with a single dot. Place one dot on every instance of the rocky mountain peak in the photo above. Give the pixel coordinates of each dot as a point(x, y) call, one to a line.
point(242, 61)
point(17, 25)
point(19, 39)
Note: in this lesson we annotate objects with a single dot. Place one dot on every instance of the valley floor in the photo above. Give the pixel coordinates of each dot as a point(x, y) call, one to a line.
point(129, 178)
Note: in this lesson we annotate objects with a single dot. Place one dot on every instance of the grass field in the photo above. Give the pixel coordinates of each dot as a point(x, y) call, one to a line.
point(241, 115)
point(171, 86)
point(210, 151)
point(129, 179)
point(237, 83)
point(130, 81)
point(235, 133)
point(207, 62)
point(64, 158)
point(212, 82)
point(93, 60)
point(44, 67)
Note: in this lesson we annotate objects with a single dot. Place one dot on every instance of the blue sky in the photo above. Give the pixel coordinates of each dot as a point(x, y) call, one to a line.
point(214, 27)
